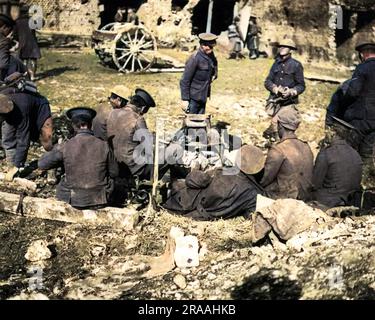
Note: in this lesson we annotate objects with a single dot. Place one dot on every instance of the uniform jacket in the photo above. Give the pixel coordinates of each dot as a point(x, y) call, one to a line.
point(212, 196)
point(126, 128)
point(337, 173)
point(99, 124)
point(25, 122)
point(200, 70)
point(288, 169)
point(89, 168)
point(288, 73)
point(361, 89)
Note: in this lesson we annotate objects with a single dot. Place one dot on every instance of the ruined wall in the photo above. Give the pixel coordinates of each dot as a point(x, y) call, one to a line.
point(77, 17)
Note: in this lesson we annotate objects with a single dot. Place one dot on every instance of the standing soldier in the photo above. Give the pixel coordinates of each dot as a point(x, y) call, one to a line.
point(236, 39)
point(29, 51)
point(285, 83)
point(361, 94)
point(200, 70)
point(118, 99)
point(88, 162)
point(252, 38)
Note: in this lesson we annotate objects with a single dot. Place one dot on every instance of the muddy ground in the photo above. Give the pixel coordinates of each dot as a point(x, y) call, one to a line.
point(92, 263)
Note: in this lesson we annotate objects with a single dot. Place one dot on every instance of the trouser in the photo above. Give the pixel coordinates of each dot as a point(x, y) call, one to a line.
point(9, 142)
point(196, 107)
point(366, 151)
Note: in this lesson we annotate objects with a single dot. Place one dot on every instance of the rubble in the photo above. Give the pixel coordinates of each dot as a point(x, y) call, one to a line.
point(38, 251)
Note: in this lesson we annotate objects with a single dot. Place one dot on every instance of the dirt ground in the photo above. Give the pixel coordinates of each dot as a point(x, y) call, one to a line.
point(90, 262)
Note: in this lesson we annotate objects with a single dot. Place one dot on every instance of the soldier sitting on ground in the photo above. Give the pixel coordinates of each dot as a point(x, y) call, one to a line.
point(221, 193)
point(88, 162)
point(119, 97)
point(338, 167)
point(289, 164)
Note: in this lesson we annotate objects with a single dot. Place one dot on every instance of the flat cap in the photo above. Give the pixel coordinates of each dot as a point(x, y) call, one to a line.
point(365, 44)
point(7, 20)
point(81, 112)
point(209, 37)
point(289, 118)
point(146, 97)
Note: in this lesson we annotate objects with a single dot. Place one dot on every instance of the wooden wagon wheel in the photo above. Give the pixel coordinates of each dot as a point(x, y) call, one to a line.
point(108, 27)
point(135, 50)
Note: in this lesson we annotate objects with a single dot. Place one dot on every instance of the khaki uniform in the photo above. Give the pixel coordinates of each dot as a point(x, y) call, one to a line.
point(288, 170)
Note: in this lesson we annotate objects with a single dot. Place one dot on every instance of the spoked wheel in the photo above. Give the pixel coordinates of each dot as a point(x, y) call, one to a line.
point(108, 27)
point(135, 50)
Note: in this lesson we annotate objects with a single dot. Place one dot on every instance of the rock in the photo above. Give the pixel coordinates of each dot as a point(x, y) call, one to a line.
point(186, 253)
point(37, 251)
point(98, 250)
point(185, 271)
point(211, 277)
point(180, 281)
point(32, 296)
point(203, 251)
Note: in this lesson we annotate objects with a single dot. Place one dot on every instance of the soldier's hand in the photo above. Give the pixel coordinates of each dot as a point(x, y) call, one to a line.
point(184, 105)
point(286, 93)
point(275, 89)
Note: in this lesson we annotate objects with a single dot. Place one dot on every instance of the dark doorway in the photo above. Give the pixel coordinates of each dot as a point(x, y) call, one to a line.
point(364, 19)
point(222, 16)
point(110, 8)
point(178, 5)
point(341, 35)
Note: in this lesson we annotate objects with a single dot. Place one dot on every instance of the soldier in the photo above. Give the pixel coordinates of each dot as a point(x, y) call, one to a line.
point(338, 167)
point(29, 51)
point(129, 136)
point(200, 71)
point(28, 120)
point(9, 64)
point(118, 98)
point(236, 39)
point(88, 162)
point(285, 83)
point(215, 195)
point(253, 38)
point(289, 164)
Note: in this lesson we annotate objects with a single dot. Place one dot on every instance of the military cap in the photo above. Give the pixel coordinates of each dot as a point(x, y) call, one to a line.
point(289, 118)
point(146, 97)
point(7, 20)
point(121, 91)
point(6, 104)
point(288, 43)
point(365, 44)
point(342, 123)
point(81, 112)
point(249, 159)
point(207, 37)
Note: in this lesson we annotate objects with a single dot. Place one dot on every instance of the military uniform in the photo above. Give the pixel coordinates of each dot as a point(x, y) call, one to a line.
point(99, 124)
point(89, 170)
point(337, 173)
point(23, 124)
point(288, 169)
point(235, 38)
point(252, 41)
point(195, 85)
point(126, 128)
point(361, 112)
point(217, 196)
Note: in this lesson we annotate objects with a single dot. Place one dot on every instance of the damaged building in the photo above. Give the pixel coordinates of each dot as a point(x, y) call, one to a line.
point(322, 29)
